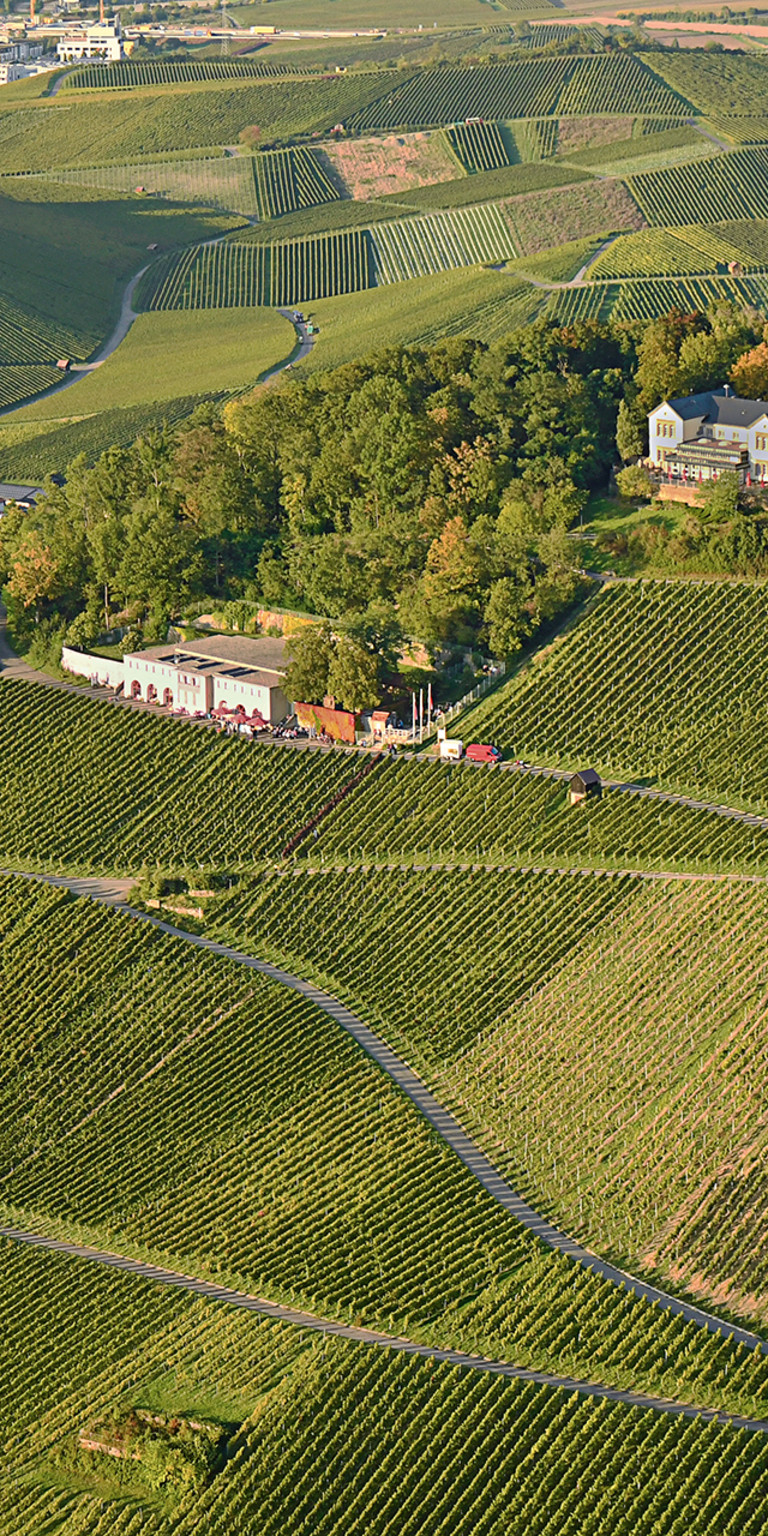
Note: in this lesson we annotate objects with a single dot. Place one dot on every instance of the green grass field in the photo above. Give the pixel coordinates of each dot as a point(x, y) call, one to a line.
point(219, 351)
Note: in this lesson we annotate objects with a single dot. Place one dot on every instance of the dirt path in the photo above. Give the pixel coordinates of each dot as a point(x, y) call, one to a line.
point(447, 1127)
point(309, 1320)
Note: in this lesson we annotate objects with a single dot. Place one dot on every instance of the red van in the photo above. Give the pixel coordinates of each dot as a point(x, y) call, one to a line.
point(483, 752)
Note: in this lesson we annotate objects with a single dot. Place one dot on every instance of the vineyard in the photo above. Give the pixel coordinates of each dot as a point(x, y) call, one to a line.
point(149, 72)
point(429, 811)
point(479, 146)
point(528, 1458)
point(111, 788)
point(665, 252)
point(527, 88)
point(703, 697)
point(224, 182)
point(298, 1169)
point(338, 922)
point(732, 186)
point(303, 270)
point(18, 383)
point(29, 338)
point(659, 1120)
point(439, 242)
point(289, 179)
point(317, 1425)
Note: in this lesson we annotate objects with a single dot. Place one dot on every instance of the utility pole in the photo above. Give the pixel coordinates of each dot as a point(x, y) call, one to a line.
point(224, 40)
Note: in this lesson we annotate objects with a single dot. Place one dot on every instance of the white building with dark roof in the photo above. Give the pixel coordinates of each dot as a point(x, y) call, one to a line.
point(698, 437)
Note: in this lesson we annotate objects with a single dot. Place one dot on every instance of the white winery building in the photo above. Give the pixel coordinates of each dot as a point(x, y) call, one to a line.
point(698, 437)
point(199, 677)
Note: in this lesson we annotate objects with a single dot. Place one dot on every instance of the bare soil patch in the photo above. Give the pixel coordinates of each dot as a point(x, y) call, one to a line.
point(540, 220)
point(587, 132)
point(370, 168)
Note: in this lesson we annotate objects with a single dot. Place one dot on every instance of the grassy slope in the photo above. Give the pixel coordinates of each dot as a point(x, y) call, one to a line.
point(165, 356)
point(65, 258)
point(472, 302)
point(82, 128)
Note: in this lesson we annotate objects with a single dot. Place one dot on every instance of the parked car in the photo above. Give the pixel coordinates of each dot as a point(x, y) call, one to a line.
point(483, 752)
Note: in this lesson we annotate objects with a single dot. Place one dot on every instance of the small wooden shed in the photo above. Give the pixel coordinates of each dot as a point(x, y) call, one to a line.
point(585, 785)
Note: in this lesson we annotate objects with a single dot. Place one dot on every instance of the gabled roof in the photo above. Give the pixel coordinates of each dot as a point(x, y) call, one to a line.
point(718, 406)
point(587, 777)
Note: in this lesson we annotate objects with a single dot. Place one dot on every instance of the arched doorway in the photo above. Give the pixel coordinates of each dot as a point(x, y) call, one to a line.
point(135, 689)
point(168, 698)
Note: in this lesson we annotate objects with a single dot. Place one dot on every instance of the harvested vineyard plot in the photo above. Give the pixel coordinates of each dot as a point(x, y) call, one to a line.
point(18, 383)
point(666, 252)
point(289, 179)
point(731, 186)
point(576, 133)
point(370, 168)
point(646, 1068)
point(339, 923)
point(118, 791)
point(541, 220)
point(438, 242)
point(126, 73)
point(481, 147)
point(218, 183)
point(663, 679)
point(433, 812)
point(529, 88)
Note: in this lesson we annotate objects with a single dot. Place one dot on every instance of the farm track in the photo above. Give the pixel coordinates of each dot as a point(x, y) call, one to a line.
point(447, 1127)
point(312, 1323)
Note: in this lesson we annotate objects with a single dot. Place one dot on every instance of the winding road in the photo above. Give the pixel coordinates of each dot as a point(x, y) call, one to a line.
point(310, 1321)
point(114, 893)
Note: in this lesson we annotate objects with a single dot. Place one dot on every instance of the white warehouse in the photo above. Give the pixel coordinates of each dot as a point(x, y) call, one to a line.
point(222, 673)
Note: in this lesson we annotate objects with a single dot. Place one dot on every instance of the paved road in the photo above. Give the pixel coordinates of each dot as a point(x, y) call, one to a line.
point(309, 1320)
point(443, 1122)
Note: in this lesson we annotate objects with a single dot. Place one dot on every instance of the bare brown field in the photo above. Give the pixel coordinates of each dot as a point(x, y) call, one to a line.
point(542, 219)
point(370, 168)
point(586, 132)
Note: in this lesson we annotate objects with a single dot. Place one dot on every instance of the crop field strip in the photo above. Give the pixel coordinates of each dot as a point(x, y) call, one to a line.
point(435, 813)
point(726, 187)
point(321, 1428)
point(127, 73)
point(342, 1140)
point(528, 88)
point(699, 732)
point(120, 784)
point(221, 182)
point(689, 248)
point(290, 179)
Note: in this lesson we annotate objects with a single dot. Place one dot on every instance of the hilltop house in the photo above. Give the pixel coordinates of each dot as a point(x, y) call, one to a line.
point(698, 437)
